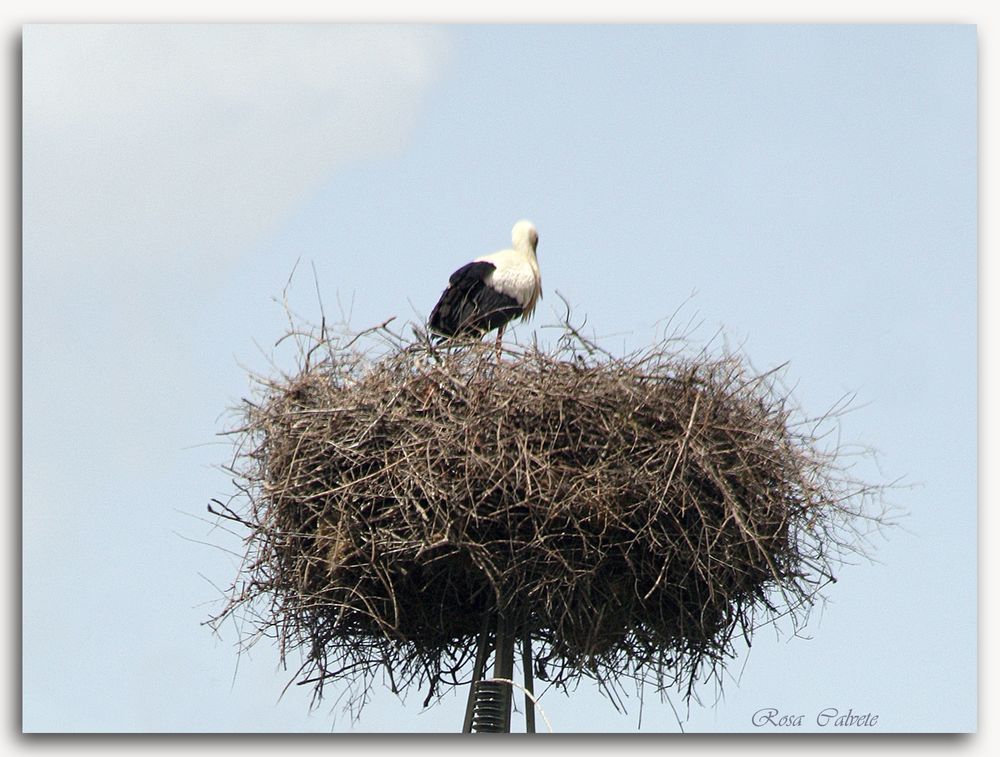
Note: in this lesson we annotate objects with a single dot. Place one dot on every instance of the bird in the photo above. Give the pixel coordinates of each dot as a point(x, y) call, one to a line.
point(492, 290)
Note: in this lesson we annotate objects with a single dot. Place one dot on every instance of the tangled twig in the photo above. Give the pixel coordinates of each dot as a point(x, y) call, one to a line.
point(636, 514)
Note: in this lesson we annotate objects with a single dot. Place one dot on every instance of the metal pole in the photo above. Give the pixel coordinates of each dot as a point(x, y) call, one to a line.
point(529, 685)
point(490, 700)
point(504, 664)
point(482, 649)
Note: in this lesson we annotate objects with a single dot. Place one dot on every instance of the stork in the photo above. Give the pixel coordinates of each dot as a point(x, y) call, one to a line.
point(492, 290)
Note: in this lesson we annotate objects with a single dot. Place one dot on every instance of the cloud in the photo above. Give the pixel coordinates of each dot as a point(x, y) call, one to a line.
point(152, 146)
point(153, 156)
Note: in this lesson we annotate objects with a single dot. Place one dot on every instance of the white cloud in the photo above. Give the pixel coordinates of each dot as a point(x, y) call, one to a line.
point(153, 155)
point(170, 145)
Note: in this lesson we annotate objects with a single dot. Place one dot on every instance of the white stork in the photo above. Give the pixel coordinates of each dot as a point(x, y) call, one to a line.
point(491, 291)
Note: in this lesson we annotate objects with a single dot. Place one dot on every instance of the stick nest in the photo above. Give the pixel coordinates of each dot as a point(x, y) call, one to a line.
point(636, 515)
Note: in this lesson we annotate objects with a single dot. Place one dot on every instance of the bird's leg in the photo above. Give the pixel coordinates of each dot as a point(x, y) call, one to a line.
point(499, 341)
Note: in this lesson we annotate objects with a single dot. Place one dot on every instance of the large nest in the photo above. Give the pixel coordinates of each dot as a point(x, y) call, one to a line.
point(637, 515)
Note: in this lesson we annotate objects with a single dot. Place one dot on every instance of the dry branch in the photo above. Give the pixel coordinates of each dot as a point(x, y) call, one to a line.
point(637, 514)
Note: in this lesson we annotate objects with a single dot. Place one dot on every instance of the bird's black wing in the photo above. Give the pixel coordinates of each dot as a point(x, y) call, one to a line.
point(469, 306)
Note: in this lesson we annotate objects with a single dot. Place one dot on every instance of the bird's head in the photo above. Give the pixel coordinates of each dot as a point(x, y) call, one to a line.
point(524, 234)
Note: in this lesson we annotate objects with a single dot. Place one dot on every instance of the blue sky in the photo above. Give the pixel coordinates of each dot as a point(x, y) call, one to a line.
point(809, 190)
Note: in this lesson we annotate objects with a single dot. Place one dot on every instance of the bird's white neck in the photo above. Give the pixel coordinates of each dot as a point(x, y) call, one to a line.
point(524, 237)
point(526, 250)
